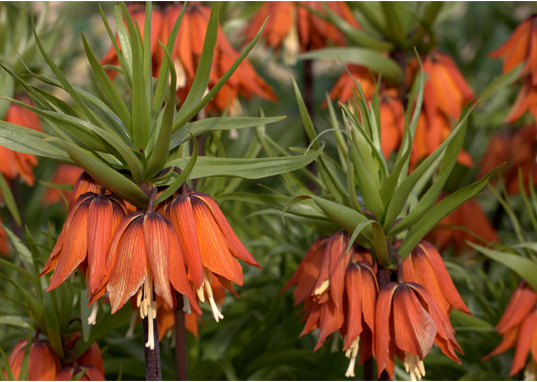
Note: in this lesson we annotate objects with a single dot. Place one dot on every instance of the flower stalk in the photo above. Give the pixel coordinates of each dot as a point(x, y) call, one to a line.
point(181, 360)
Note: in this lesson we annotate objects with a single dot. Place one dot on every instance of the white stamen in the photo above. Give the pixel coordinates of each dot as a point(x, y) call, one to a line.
point(186, 305)
point(324, 286)
point(235, 109)
point(201, 295)
point(181, 73)
point(216, 313)
point(291, 45)
point(130, 332)
point(150, 333)
point(72, 276)
point(92, 319)
point(530, 373)
point(352, 353)
point(414, 366)
point(139, 297)
point(233, 134)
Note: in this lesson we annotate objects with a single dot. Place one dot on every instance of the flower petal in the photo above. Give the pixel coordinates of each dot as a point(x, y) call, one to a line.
point(215, 254)
point(75, 247)
point(522, 302)
point(100, 234)
point(235, 245)
point(383, 351)
point(331, 320)
point(353, 281)
point(130, 266)
point(338, 262)
point(523, 344)
point(181, 216)
point(157, 245)
point(508, 342)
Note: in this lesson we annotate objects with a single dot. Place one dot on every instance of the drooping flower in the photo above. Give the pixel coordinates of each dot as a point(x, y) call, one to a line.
point(84, 239)
point(145, 255)
point(518, 49)
point(461, 226)
point(13, 164)
point(292, 28)
point(518, 326)
point(187, 53)
point(92, 356)
point(91, 373)
point(445, 94)
point(425, 266)
point(65, 174)
point(43, 364)
point(518, 148)
point(408, 321)
point(392, 121)
point(209, 245)
point(339, 291)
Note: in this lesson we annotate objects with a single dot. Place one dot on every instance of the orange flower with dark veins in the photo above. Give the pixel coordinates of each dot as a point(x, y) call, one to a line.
point(518, 326)
point(13, 164)
point(445, 94)
point(65, 174)
point(425, 266)
point(187, 53)
point(392, 121)
point(521, 48)
point(43, 364)
point(209, 245)
point(461, 226)
point(408, 321)
point(517, 147)
point(145, 256)
point(292, 28)
point(339, 290)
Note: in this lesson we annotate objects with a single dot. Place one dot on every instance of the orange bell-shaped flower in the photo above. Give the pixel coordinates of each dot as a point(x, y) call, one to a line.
point(43, 364)
point(425, 266)
point(518, 326)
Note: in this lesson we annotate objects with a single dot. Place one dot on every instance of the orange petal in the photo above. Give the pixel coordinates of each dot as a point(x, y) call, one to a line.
point(157, 245)
point(130, 268)
point(338, 261)
point(522, 302)
point(383, 310)
point(523, 344)
point(75, 248)
point(331, 320)
point(415, 330)
point(177, 272)
point(100, 233)
point(181, 216)
point(508, 342)
point(353, 287)
point(235, 245)
point(215, 254)
point(370, 290)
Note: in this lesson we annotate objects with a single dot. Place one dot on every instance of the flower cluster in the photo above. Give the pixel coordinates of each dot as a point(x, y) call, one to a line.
point(518, 326)
point(187, 53)
point(293, 28)
point(520, 49)
point(340, 291)
point(45, 365)
point(180, 244)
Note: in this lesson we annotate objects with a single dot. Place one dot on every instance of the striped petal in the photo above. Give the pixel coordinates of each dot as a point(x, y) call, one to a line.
point(215, 254)
point(353, 281)
point(338, 262)
point(523, 344)
point(383, 311)
point(521, 303)
point(236, 247)
point(331, 320)
point(181, 216)
point(100, 234)
point(75, 248)
point(157, 246)
point(130, 266)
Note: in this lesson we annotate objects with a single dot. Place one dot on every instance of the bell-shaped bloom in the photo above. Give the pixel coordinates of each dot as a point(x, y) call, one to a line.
point(92, 356)
point(463, 224)
point(13, 164)
point(187, 53)
point(520, 48)
point(65, 174)
point(91, 373)
point(209, 245)
point(84, 239)
point(292, 28)
point(445, 94)
point(425, 266)
point(518, 326)
point(408, 321)
point(339, 289)
point(43, 364)
point(392, 121)
point(517, 147)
